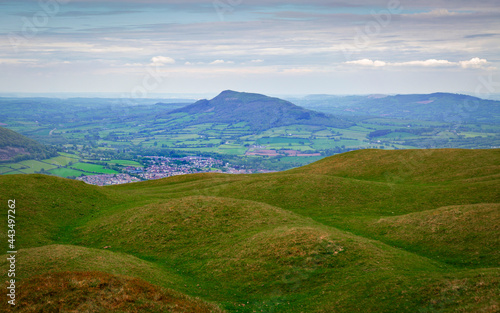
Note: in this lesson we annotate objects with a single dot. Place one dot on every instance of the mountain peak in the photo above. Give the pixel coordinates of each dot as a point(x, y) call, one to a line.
point(258, 111)
point(240, 96)
point(228, 92)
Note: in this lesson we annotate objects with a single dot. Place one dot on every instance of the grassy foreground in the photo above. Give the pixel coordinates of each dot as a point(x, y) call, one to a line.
point(365, 231)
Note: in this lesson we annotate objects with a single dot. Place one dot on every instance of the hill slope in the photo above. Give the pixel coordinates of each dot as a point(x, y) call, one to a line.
point(366, 231)
point(441, 107)
point(101, 292)
point(257, 111)
point(16, 147)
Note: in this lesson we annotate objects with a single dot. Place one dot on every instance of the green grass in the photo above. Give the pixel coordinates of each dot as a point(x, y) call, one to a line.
point(300, 160)
point(289, 147)
point(126, 163)
point(279, 140)
point(15, 172)
point(442, 232)
point(331, 143)
point(57, 257)
point(397, 135)
point(231, 149)
point(66, 172)
point(51, 260)
point(49, 204)
point(101, 292)
point(14, 165)
point(365, 231)
point(36, 166)
point(259, 244)
point(62, 160)
point(475, 134)
point(5, 169)
point(93, 168)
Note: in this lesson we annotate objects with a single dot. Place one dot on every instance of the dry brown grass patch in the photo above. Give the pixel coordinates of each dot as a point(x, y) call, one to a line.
point(100, 292)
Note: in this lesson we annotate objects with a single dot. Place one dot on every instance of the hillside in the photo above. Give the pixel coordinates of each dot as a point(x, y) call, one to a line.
point(257, 111)
point(365, 231)
point(102, 292)
point(16, 147)
point(440, 107)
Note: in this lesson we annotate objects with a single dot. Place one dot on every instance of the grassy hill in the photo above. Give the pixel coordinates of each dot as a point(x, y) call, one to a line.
point(365, 231)
point(16, 147)
point(257, 111)
point(101, 292)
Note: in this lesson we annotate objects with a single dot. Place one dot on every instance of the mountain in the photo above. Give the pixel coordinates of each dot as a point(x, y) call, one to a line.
point(440, 107)
point(364, 231)
point(16, 147)
point(258, 111)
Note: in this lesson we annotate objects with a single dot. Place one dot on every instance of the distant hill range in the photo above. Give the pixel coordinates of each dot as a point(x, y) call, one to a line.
point(258, 111)
point(16, 147)
point(440, 107)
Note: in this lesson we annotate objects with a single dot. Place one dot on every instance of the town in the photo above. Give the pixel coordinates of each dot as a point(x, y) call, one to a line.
point(157, 167)
point(108, 179)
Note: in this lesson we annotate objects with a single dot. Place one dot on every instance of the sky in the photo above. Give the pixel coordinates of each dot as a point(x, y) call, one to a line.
point(145, 48)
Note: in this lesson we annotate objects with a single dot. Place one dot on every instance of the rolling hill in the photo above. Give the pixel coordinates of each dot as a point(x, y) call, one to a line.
point(16, 147)
point(255, 110)
point(364, 231)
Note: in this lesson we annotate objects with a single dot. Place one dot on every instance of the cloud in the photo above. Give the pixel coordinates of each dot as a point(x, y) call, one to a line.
point(93, 13)
point(472, 63)
point(426, 63)
point(434, 13)
point(367, 62)
point(481, 35)
point(161, 60)
point(297, 70)
point(188, 36)
point(221, 62)
point(18, 61)
point(134, 64)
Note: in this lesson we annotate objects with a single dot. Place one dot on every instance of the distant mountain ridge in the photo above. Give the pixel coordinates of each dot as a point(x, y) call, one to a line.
point(16, 147)
point(258, 111)
point(439, 106)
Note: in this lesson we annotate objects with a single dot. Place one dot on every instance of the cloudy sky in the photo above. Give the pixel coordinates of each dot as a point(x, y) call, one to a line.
point(143, 48)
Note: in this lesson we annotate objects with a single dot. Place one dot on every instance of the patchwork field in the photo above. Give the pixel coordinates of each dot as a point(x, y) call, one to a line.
point(32, 166)
point(93, 168)
point(67, 172)
point(126, 163)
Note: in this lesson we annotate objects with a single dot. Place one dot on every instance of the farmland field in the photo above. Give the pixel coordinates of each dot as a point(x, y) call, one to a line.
point(397, 135)
point(61, 160)
point(278, 140)
point(66, 172)
point(93, 168)
point(126, 163)
point(14, 165)
point(4, 169)
point(35, 166)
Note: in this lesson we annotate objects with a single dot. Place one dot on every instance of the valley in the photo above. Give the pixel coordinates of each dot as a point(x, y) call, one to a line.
point(259, 137)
